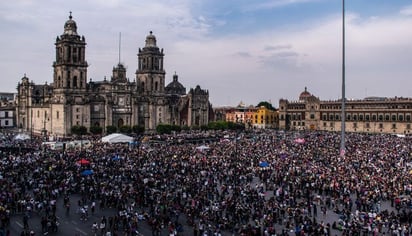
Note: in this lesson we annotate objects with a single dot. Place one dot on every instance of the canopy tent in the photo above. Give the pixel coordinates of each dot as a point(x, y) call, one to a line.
point(21, 136)
point(300, 140)
point(87, 172)
point(264, 164)
point(117, 138)
point(83, 161)
point(202, 148)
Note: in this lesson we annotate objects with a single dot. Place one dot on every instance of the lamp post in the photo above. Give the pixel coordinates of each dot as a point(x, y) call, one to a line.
point(342, 140)
point(44, 130)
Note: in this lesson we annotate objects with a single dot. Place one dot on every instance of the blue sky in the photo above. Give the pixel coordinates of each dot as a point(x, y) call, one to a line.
point(240, 50)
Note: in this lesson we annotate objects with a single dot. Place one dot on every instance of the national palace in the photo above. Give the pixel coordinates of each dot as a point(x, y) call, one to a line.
point(370, 115)
point(71, 100)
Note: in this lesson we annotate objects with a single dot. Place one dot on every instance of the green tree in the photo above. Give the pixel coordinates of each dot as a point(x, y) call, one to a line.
point(79, 130)
point(126, 129)
point(138, 129)
point(96, 129)
point(163, 129)
point(266, 104)
point(218, 125)
point(110, 129)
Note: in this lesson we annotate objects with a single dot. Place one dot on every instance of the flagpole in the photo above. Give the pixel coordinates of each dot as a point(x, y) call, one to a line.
point(343, 115)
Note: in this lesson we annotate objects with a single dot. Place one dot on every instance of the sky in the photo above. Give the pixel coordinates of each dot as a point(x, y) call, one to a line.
point(239, 50)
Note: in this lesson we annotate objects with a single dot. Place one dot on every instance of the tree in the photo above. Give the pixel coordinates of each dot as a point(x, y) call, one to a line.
point(163, 129)
point(218, 125)
point(79, 130)
point(96, 129)
point(266, 104)
point(125, 129)
point(138, 129)
point(110, 129)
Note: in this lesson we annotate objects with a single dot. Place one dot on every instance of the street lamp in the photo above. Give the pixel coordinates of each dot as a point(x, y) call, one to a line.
point(44, 131)
point(342, 140)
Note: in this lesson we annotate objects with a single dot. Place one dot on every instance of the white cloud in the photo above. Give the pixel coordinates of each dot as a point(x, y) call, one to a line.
point(270, 4)
point(407, 10)
point(265, 65)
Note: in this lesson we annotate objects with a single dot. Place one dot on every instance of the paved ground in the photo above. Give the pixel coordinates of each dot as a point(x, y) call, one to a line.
point(70, 224)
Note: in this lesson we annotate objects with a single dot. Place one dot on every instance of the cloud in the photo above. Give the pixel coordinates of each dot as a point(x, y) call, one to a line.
point(407, 11)
point(270, 4)
point(233, 66)
point(243, 54)
point(277, 47)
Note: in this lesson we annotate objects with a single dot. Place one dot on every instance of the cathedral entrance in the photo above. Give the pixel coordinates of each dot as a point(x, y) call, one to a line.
point(120, 122)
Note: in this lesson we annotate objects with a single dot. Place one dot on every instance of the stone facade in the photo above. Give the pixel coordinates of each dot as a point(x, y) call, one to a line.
point(70, 100)
point(369, 115)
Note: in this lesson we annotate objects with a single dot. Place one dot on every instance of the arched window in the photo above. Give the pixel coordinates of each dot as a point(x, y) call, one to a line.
point(386, 117)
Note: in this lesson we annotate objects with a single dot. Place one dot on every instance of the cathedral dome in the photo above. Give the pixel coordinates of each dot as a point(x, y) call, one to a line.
point(304, 95)
point(175, 87)
point(70, 26)
point(151, 40)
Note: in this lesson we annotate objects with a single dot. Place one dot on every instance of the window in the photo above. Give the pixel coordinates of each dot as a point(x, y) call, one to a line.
point(400, 117)
point(348, 117)
point(380, 126)
point(393, 117)
point(408, 126)
point(337, 117)
point(312, 116)
point(281, 117)
point(355, 125)
point(331, 117)
point(355, 117)
point(386, 117)
point(367, 125)
point(380, 118)
point(408, 117)
point(361, 117)
point(6, 114)
point(367, 117)
point(325, 117)
point(57, 114)
point(6, 122)
point(38, 113)
point(77, 117)
point(394, 126)
point(77, 109)
point(324, 124)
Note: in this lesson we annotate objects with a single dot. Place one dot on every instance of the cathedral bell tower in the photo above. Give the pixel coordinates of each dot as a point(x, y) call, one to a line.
point(150, 73)
point(70, 67)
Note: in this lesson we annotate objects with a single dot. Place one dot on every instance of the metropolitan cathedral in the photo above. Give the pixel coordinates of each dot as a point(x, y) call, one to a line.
point(70, 100)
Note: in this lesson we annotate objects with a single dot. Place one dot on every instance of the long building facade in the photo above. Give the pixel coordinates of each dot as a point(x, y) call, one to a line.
point(70, 100)
point(369, 115)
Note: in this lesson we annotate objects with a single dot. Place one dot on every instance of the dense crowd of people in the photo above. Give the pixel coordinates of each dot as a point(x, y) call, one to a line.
point(258, 182)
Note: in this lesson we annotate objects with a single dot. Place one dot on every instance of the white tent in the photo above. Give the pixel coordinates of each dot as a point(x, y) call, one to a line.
point(117, 138)
point(21, 136)
point(202, 148)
